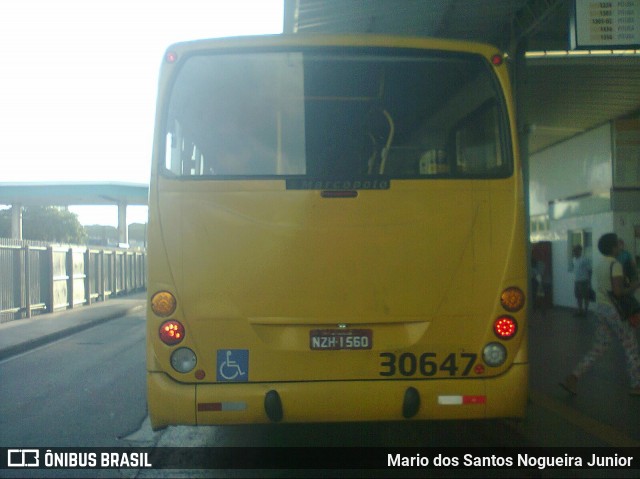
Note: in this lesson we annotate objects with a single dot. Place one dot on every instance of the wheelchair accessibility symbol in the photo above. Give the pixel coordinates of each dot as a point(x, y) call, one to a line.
point(233, 365)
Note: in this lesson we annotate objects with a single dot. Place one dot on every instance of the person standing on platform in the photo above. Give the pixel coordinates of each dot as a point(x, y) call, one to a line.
point(609, 278)
point(535, 281)
point(582, 281)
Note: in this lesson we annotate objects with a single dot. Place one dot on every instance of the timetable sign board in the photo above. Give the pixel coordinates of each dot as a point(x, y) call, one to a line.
point(612, 24)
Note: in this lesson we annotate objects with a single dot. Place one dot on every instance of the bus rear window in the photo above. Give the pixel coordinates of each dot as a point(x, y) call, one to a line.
point(334, 115)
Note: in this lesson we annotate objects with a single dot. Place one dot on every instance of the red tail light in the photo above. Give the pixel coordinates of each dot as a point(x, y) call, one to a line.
point(171, 332)
point(505, 327)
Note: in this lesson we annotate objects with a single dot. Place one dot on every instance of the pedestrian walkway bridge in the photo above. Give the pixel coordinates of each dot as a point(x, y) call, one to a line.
point(18, 195)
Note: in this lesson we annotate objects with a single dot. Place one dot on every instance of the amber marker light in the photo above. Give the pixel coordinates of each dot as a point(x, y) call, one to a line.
point(512, 299)
point(171, 332)
point(163, 304)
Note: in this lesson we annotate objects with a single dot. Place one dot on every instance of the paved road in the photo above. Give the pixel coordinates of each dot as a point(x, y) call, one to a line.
point(87, 389)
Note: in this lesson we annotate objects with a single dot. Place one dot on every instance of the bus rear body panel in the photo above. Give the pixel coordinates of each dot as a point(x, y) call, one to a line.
point(336, 401)
point(340, 254)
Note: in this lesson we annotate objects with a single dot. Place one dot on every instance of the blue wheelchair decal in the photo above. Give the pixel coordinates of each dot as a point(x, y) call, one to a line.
point(233, 365)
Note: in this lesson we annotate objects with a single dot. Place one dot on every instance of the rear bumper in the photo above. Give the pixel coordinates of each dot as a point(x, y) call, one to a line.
point(173, 403)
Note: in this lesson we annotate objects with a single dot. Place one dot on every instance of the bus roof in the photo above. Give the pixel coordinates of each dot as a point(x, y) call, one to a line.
point(348, 40)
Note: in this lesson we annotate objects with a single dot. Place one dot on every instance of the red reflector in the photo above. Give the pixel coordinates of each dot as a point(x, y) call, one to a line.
point(171, 332)
point(505, 327)
point(474, 399)
point(222, 406)
point(497, 60)
point(171, 57)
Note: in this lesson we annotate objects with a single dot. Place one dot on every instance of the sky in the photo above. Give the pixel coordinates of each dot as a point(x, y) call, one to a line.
point(78, 83)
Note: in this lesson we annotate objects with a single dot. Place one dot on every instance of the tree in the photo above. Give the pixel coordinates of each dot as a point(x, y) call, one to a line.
point(138, 234)
point(46, 223)
point(102, 235)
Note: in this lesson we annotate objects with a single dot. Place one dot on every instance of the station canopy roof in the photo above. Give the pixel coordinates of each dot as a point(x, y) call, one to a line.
point(565, 94)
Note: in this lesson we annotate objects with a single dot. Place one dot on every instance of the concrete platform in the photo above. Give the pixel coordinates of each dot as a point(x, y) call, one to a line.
point(603, 405)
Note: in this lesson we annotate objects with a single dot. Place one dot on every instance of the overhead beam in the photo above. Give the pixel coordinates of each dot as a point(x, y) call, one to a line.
point(530, 18)
point(81, 193)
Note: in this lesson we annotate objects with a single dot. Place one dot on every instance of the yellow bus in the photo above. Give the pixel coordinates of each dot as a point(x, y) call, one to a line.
point(336, 233)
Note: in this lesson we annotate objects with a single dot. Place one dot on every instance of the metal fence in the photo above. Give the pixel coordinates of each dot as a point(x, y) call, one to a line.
point(37, 277)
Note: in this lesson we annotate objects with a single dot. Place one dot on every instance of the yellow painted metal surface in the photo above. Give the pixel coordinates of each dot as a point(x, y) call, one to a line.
point(256, 267)
point(324, 401)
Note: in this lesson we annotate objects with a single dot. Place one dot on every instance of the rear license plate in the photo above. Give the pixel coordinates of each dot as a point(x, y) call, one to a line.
point(329, 339)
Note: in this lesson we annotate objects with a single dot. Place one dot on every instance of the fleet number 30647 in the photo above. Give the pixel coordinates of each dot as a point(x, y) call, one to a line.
point(426, 364)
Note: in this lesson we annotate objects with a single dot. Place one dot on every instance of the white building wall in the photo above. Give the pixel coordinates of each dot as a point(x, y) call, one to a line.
point(579, 165)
